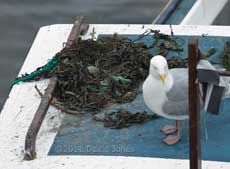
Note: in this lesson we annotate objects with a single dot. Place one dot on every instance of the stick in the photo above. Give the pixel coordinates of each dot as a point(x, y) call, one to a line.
point(30, 141)
point(37, 120)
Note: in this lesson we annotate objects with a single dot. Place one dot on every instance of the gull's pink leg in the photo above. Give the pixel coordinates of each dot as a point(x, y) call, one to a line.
point(173, 139)
point(169, 129)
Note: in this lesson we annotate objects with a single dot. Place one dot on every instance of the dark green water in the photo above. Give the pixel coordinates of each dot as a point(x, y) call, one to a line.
point(21, 19)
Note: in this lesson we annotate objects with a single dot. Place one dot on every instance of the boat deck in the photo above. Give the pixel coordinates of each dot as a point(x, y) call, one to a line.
point(23, 101)
point(81, 135)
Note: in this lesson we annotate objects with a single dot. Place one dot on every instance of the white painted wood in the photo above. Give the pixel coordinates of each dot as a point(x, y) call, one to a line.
point(204, 12)
point(23, 101)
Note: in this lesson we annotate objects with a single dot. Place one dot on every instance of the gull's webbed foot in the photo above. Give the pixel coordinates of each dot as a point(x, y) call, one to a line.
point(172, 139)
point(169, 129)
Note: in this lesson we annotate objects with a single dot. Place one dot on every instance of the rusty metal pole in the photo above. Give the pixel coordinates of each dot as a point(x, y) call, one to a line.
point(30, 142)
point(194, 110)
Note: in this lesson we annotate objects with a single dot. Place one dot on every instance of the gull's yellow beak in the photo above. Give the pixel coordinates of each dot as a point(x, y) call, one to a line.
point(162, 77)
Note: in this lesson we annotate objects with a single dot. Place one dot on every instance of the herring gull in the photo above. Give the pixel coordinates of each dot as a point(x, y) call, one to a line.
point(165, 92)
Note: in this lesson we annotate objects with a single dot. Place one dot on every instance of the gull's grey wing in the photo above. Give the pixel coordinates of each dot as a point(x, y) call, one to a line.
point(177, 103)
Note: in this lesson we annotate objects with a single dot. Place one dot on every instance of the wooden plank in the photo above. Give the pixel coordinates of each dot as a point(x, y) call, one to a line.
point(30, 141)
point(194, 114)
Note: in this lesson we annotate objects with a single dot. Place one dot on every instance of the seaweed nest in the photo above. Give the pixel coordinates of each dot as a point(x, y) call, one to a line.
point(94, 74)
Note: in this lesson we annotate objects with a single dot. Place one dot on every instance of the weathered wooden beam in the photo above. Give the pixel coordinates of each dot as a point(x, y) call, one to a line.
point(79, 28)
point(194, 112)
point(30, 141)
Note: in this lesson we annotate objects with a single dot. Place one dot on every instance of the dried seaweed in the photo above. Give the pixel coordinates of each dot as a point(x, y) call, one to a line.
point(225, 56)
point(162, 41)
point(93, 74)
point(97, 73)
point(123, 119)
point(174, 62)
point(169, 42)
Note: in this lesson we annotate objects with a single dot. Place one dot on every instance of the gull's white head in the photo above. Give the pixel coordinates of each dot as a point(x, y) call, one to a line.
point(158, 68)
